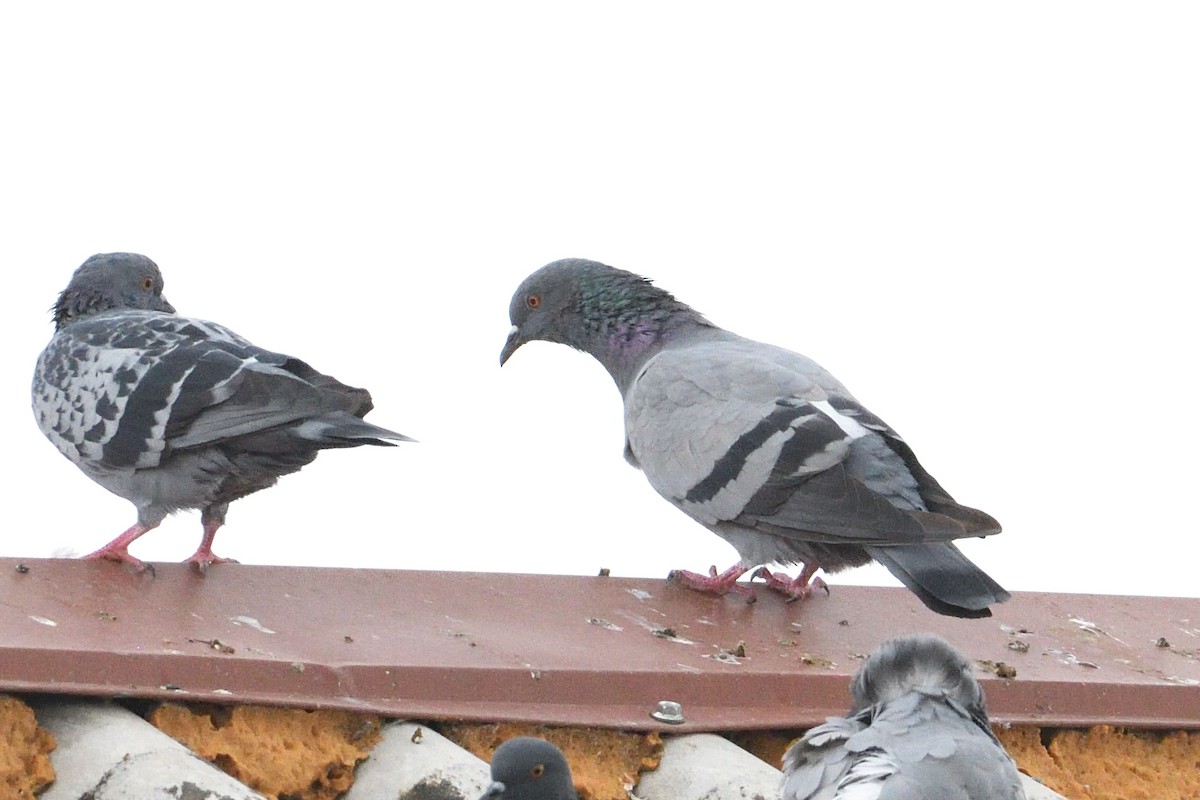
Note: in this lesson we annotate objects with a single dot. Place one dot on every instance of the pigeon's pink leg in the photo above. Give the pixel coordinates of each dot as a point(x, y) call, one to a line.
point(800, 588)
point(118, 549)
point(715, 583)
point(204, 556)
point(213, 518)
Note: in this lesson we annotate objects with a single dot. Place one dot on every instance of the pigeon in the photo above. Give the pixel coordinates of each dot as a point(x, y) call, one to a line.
point(759, 444)
point(527, 768)
point(174, 413)
point(918, 731)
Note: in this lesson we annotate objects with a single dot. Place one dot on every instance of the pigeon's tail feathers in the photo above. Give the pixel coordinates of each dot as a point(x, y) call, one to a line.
point(340, 429)
point(945, 580)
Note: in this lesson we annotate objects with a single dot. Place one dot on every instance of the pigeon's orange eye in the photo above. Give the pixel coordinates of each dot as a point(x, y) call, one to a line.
point(147, 283)
point(533, 301)
point(538, 769)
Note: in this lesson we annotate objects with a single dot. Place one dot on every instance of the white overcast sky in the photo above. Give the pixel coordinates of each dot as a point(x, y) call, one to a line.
point(984, 218)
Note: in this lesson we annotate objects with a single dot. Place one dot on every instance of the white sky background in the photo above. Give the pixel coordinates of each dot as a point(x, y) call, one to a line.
point(982, 218)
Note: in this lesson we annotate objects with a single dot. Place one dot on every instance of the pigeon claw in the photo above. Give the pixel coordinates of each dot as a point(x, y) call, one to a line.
point(203, 558)
point(121, 556)
point(799, 588)
point(714, 582)
point(118, 549)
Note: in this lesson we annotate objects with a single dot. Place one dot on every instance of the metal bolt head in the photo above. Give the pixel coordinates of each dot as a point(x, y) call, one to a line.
point(668, 711)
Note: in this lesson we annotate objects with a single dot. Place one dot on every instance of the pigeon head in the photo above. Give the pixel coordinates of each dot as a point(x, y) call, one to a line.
point(526, 768)
point(616, 316)
point(926, 662)
point(108, 281)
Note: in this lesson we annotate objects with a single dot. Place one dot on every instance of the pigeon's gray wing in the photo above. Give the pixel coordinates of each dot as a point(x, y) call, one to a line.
point(731, 430)
point(815, 766)
point(138, 385)
point(886, 471)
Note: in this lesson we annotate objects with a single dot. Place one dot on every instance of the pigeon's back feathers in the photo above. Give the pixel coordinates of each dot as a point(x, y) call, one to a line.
point(774, 439)
point(172, 412)
point(919, 729)
point(759, 444)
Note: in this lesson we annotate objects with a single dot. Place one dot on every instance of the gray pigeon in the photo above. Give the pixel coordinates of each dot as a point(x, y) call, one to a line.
point(758, 444)
point(171, 412)
point(918, 731)
point(526, 768)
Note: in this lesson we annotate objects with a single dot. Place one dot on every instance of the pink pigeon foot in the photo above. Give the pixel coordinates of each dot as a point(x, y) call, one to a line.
point(799, 588)
point(715, 583)
point(204, 555)
point(118, 549)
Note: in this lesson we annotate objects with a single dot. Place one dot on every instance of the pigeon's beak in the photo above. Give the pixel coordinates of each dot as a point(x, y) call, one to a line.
point(494, 790)
point(511, 344)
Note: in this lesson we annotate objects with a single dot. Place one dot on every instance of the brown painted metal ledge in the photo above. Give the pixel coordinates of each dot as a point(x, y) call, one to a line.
point(594, 651)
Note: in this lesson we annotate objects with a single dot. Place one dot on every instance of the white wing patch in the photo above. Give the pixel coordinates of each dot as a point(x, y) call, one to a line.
point(864, 780)
point(214, 332)
point(851, 426)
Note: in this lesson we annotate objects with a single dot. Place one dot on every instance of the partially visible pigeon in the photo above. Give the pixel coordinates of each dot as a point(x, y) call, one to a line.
point(918, 731)
point(171, 412)
point(527, 768)
point(758, 444)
